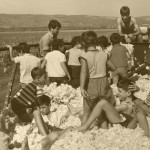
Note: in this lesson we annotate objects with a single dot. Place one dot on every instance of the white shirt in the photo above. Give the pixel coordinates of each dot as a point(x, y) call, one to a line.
point(27, 63)
point(53, 66)
point(74, 55)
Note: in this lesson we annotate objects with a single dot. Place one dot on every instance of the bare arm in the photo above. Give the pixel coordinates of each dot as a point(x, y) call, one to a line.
point(111, 65)
point(121, 108)
point(63, 65)
point(128, 55)
point(136, 27)
point(44, 63)
point(119, 27)
point(40, 123)
point(11, 53)
point(83, 76)
point(83, 73)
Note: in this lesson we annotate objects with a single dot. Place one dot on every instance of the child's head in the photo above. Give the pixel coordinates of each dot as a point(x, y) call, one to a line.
point(123, 88)
point(23, 48)
point(58, 44)
point(44, 102)
point(125, 13)
point(76, 42)
point(54, 27)
point(103, 41)
point(115, 38)
point(38, 75)
point(89, 39)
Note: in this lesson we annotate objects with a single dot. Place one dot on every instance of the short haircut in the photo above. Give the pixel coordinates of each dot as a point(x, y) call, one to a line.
point(44, 99)
point(75, 40)
point(124, 84)
point(125, 11)
point(115, 38)
point(88, 39)
point(103, 41)
point(37, 72)
point(23, 47)
point(54, 24)
point(57, 43)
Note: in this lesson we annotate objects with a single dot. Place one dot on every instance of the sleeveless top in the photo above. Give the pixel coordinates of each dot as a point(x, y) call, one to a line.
point(127, 29)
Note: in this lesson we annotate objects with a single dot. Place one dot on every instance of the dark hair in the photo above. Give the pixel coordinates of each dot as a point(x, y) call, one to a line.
point(54, 24)
point(57, 43)
point(124, 84)
point(115, 38)
point(103, 41)
point(44, 99)
point(89, 38)
point(37, 72)
point(75, 40)
point(125, 11)
point(23, 47)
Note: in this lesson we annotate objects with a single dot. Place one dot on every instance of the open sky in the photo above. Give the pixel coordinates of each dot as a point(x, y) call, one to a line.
point(74, 7)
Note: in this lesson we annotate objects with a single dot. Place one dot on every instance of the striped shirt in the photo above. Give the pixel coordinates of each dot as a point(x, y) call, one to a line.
point(27, 96)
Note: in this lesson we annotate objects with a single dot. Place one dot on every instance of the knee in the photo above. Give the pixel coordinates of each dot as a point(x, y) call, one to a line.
point(102, 102)
point(50, 139)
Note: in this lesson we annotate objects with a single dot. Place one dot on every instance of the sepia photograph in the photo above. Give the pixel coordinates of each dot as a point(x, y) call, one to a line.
point(74, 75)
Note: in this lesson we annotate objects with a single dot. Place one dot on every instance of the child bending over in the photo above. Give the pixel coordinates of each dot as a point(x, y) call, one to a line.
point(26, 99)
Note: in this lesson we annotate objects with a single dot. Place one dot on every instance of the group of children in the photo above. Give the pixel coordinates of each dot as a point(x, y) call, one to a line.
point(86, 65)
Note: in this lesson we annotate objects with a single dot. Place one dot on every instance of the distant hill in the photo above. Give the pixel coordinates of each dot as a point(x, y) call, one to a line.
point(39, 22)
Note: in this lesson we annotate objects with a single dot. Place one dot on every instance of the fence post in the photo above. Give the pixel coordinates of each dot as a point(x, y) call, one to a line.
point(10, 85)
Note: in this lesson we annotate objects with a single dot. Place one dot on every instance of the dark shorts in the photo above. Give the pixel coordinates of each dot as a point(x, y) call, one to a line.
point(74, 71)
point(59, 80)
point(20, 111)
point(97, 89)
point(127, 121)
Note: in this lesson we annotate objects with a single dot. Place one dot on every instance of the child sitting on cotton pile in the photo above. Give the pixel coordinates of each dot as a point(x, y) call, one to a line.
point(130, 114)
point(54, 132)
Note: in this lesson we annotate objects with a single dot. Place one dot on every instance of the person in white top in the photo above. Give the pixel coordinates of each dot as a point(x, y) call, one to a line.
point(27, 62)
point(73, 61)
point(55, 63)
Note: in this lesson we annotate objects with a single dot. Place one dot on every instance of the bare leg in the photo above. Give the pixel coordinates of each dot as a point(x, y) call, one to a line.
point(110, 111)
point(133, 123)
point(86, 112)
point(49, 140)
point(104, 125)
point(143, 123)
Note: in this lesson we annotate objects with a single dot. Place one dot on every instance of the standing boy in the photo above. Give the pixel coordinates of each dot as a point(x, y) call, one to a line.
point(55, 63)
point(47, 39)
point(27, 63)
point(119, 57)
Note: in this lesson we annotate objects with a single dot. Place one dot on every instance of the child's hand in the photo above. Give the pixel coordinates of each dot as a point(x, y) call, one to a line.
point(69, 77)
point(9, 46)
point(84, 93)
point(133, 88)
